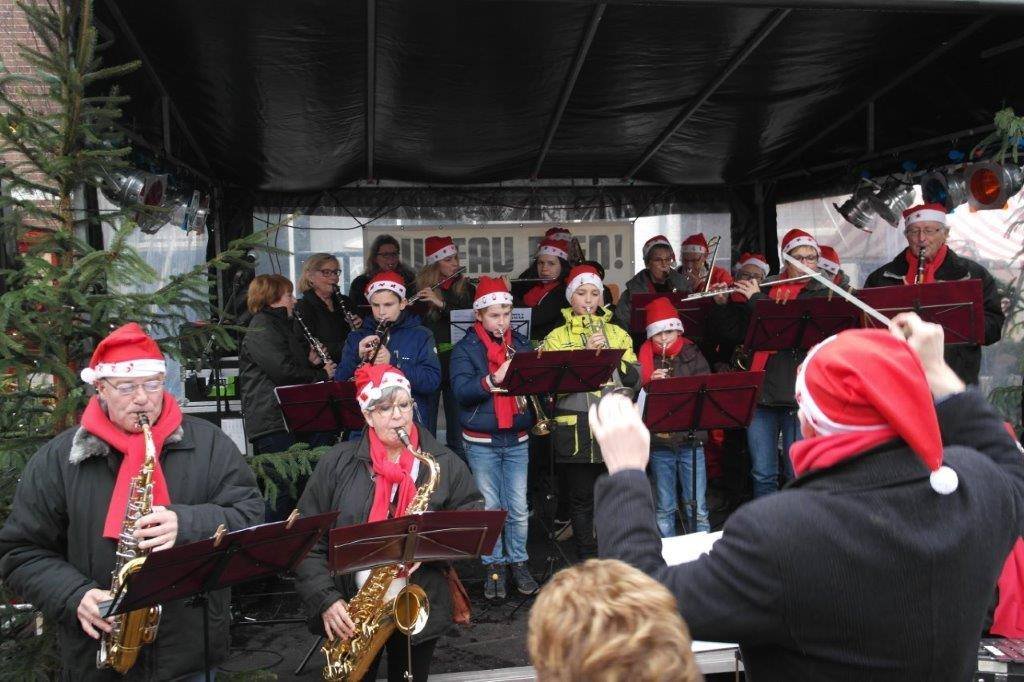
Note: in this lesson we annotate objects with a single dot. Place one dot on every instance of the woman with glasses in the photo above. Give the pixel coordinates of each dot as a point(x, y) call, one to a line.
point(374, 479)
point(384, 255)
point(319, 306)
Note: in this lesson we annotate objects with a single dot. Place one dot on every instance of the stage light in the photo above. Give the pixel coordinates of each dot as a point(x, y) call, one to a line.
point(859, 209)
point(991, 184)
point(892, 199)
point(134, 188)
point(948, 188)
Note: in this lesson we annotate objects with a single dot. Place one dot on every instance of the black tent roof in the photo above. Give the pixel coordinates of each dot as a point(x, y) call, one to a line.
point(309, 95)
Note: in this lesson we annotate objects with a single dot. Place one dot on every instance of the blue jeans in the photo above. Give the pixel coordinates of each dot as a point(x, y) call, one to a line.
point(763, 439)
point(500, 474)
point(671, 468)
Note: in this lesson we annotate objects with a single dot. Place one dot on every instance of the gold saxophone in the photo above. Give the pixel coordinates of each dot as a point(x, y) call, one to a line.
point(119, 649)
point(376, 619)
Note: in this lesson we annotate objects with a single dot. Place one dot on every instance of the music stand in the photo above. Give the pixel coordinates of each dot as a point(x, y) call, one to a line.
point(800, 323)
point(700, 403)
point(560, 371)
point(956, 306)
point(199, 568)
point(323, 406)
point(693, 313)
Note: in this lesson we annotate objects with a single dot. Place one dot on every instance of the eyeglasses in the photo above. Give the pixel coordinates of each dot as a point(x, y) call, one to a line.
point(813, 258)
point(388, 254)
point(929, 232)
point(403, 407)
point(152, 386)
point(330, 273)
point(750, 275)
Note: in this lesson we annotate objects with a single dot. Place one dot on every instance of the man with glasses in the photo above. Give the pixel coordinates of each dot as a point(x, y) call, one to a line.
point(927, 259)
point(57, 547)
point(658, 277)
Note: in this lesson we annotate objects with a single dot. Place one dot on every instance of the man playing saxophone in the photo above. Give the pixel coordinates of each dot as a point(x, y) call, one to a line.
point(372, 479)
point(57, 547)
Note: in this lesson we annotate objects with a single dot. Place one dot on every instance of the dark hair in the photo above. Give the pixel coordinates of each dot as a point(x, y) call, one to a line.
point(564, 264)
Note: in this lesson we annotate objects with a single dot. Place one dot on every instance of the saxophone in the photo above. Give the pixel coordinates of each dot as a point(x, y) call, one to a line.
point(119, 649)
point(376, 619)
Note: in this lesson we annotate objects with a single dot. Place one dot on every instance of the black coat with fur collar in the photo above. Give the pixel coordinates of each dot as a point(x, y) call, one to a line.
point(52, 549)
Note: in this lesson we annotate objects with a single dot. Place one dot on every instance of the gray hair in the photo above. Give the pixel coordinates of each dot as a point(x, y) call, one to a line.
point(387, 398)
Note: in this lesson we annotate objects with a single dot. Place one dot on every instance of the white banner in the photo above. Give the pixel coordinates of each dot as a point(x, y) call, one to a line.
point(508, 248)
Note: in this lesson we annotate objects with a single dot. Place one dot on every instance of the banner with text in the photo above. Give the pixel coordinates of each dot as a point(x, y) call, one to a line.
point(508, 248)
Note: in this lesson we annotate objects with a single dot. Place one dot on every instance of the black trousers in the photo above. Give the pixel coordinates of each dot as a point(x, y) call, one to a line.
point(579, 481)
point(398, 659)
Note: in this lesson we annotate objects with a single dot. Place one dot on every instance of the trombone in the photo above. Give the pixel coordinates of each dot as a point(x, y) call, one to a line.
point(544, 424)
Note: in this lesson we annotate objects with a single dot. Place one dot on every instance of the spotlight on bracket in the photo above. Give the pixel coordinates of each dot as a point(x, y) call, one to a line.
point(948, 188)
point(892, 199)
point(991, 184)
point(859, 210)
point(134, 188)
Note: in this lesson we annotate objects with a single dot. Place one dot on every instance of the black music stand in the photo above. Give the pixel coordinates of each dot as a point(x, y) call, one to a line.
point(323, 406)
point(693, 313)
point(700, 403)
point(800, 323)
point(560, 371)
point(199, 568)
point(957, 306)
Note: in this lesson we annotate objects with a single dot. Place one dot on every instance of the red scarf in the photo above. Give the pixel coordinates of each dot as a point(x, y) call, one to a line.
point(450, 283)
point(648, 356)
point(929, 267)
point(787, 292)
point(133, 448)
point(504, 405)
point(389, 473)
point(822, 452)
point(535, 295)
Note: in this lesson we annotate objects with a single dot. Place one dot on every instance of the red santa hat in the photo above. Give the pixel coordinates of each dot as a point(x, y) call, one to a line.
point(128, 352)
point(829, 260)
point(491, 291)
point(866, 380)
point(558, 232)
point(438, 248)
point(757, 259)
point(935, 213)
point(695, 243)
point(371, 380)
point(796, 238)
point(580, 275)
point(662, 317)
point(559, 248)
point(657, 241)
point(388, 280)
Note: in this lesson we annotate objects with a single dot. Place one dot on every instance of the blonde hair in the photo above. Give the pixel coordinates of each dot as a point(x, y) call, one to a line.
point(266, 289)
point(604, 620)
point(315, 262)
point(431, 275)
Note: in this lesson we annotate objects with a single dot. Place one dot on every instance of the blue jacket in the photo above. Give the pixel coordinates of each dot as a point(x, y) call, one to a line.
point(476, 403)
point(412, 350)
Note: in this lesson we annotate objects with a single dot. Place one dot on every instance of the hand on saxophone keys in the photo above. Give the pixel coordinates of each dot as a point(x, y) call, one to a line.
point(157, 530)
point(88, 613)
point(337, 621)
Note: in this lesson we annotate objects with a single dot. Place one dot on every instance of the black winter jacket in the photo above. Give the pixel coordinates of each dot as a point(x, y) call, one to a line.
point(272, 354)
point(343, 480)
point(547, 314)
point(857, 572)
point(52, 549)
point(964, 359)
point(329, 327)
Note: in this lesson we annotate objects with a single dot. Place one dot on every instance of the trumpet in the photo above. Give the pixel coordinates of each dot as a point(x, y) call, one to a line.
point(313, 341)
point(732, 290)
point(544, 424)
point(383, 333)
point(588, 322)
point(665, 363)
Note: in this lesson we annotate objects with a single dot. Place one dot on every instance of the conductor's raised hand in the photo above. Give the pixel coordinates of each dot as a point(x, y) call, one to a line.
point(621, 433)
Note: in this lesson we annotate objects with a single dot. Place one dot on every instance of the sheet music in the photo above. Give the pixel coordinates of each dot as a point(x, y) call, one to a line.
point(683, 548)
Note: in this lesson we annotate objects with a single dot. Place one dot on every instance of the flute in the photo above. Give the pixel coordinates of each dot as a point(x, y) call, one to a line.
point(732, 290)
point(440, 282)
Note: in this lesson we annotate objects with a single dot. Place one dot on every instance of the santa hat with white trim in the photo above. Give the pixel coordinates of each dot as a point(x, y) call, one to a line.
point(128, 352)
point(657, 241)
point(796, 238)
point(695, 243)
point(580, 275)
point(437, 249)
point(864, 380)
point(757, 259)
point(935, 213)
point(829, 260)
point(662, 316)
point(371, 380)
point(388, 280)
point(558, 232)
point(559, 248)
point(491, 291)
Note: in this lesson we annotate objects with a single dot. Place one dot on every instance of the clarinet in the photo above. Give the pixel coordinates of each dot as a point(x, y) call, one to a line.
point(313, 341)
point(350, 317)
point(383, 332)
point(920, 266)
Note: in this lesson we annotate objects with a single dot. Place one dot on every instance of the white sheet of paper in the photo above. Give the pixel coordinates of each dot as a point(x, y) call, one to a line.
point(683, 548)
point(236, 432)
